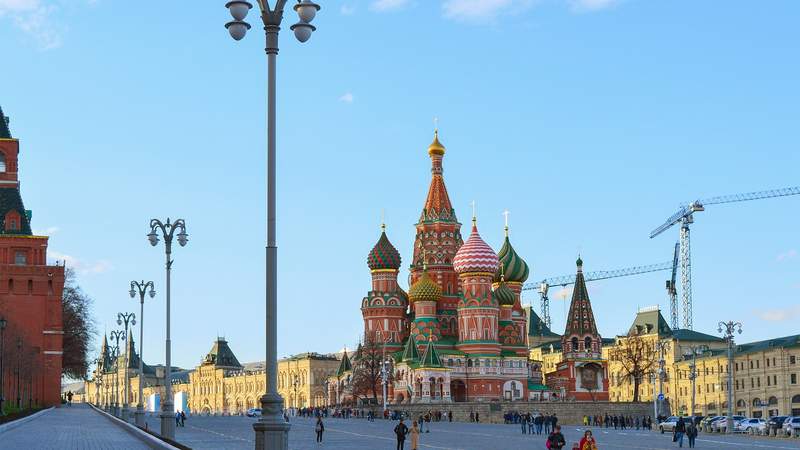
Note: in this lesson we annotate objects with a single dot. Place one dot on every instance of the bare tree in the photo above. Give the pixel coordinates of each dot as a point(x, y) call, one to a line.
point(367, 369)
point(637, 356)
point(79, 328)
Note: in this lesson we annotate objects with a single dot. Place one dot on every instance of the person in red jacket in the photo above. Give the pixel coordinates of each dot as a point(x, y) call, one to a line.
point(588, 442)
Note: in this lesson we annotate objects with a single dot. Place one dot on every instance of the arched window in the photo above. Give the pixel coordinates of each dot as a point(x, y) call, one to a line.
point(741, 403)
point(772, 401)
point(587, 343)
point(574, 344)
point(756, 402)
point(796, 399)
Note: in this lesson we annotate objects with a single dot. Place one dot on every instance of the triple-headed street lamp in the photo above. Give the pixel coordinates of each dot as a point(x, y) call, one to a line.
point(694, 350)
point(728, 329)
point(141, 287)
point(127, 320)
point(272, 432)
point(168, 232)
point(116, 336)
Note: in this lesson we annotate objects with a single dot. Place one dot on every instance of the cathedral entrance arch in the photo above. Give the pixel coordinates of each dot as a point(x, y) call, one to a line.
point(458, 391)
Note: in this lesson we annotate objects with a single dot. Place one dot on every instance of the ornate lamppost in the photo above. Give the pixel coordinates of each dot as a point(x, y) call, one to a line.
point(272, 432)
point(127, 320)
point(727, 329)
point(116, 336)
point(168, 232)
point(19, 370)
point(3, 323)
point(694, 350)
point(141, 288)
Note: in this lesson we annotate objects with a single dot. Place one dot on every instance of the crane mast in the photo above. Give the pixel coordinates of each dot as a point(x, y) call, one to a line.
point(672, 290)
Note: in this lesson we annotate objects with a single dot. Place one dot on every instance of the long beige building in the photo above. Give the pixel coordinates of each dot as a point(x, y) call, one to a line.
point(220, 384)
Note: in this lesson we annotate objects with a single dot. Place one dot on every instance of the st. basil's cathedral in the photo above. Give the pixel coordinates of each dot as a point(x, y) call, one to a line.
point(460, 333)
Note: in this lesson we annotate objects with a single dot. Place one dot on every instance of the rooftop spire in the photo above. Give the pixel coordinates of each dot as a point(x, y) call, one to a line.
point(506, 213)
point(474, 214)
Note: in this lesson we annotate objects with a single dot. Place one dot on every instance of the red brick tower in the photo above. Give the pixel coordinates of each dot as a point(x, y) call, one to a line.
point(582, 374)
point(439, 238)
point(30, 290)
point(384, 307)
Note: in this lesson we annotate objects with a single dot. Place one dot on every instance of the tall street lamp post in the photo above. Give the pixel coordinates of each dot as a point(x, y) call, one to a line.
point(168, 232)
point(141, 287)
point(97, 382)
point(3, 323)
point(727, 329)
point(661, 348)
point(384, 370)
point(272, 432)
point(128, 320)
point(116, 336)
point(694, 350)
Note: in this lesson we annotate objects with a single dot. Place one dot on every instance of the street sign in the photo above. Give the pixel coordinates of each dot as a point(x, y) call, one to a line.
point(661, 397)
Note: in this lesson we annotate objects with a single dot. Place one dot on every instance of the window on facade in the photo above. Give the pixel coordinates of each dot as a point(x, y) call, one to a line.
point(30, 286)
point(758, 381)
point(587, 343)
point(20, 258)
point(751, 364)
point(793, 378)
point(574, 342)
point(758, 363)
point(2, 162)
point(767, 362)
point(792, 359)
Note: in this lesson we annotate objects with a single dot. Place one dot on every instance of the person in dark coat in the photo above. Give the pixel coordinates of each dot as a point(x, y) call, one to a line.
point(691, 432)
point(556, 440)
point(401, 430)
point(319, 428)
point(680, 430)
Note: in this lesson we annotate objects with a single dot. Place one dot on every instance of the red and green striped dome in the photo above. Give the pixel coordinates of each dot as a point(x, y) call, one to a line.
point(504, 295)
point(383, 255)
point(515, 268)
point(424, 290)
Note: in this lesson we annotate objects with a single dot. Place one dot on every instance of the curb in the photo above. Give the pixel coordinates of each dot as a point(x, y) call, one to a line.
point(152, 441)
point(11, 425)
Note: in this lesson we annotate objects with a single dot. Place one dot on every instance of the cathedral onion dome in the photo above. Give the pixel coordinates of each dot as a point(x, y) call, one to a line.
point(475, 255)
point(504, 295)
point(516, 269)
point(436, 147)
point(424, 290)
point(383, 255)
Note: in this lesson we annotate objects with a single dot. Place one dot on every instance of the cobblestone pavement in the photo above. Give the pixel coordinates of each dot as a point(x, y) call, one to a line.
point(77, 427)
point(207, 433)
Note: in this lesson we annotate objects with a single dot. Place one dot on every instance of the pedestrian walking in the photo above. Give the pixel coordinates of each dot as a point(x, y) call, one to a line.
point(69, 398)
point(530, 423)
point(677, 434)
point(183, 419)
point(555, 441)
point(588, 442)
point(319, 428)
point(401, 430)
point(524, 423)
point(414, 432)
point(691, 432)
point(177, 418)
point(477, 417)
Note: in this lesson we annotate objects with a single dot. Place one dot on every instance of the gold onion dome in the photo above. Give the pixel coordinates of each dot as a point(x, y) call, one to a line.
point(383, 255)
point(436, 147)
point(516, 269)
point(504, 295)
point(424, 290)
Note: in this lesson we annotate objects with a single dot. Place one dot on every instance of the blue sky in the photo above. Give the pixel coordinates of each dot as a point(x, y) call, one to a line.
point(589, 120)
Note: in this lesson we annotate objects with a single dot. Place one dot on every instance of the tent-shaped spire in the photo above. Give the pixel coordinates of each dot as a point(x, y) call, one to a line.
point(580, 321)
point(431, 357)
point(221, 355)
point(344, 365)
point(105, 355)
point(410, 351)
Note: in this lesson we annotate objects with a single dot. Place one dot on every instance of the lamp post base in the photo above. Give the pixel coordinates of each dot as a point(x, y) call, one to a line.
point(139, 415)
point(272, 431)
point(125, 413)
point(167, 420)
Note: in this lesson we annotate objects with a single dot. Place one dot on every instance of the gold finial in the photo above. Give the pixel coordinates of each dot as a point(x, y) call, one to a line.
point(383, 220)
point(502, 274)
point(506, 213)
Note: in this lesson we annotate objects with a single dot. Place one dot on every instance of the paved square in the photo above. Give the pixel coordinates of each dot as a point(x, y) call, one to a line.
point(206, 433)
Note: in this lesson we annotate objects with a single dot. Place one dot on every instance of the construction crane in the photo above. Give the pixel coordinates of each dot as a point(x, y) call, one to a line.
point(684, 217)
point(544, 286)
point(672, 291)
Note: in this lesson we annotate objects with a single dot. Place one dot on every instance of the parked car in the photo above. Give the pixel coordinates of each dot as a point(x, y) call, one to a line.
point(668, 424)
point(722, 424)
point(708, 420)
point(755, 424)
point(775, 422)
point(714, 424)
point(791, 423)
point(254, 412)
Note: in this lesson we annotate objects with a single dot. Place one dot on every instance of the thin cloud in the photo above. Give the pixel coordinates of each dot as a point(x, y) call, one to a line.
point(778, 314)
point(388, 5)
point(791, 254)
point(347, 10)
point(347, 97)
point(482, 11)
point(46, 232)
point(591, 5)
point(34, 18)
point(80, 266)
